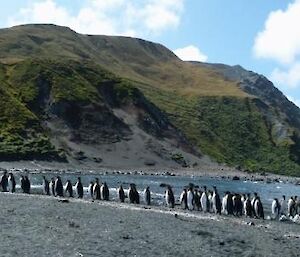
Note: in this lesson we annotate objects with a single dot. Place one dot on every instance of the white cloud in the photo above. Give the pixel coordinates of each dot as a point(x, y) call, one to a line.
point(295, 101)
point(290, 77)
point(280, 39)
point(190, 53)
point(112, 17)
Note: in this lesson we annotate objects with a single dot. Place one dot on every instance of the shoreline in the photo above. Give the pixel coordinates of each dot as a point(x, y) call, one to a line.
point(40, 226)
point(220, 172)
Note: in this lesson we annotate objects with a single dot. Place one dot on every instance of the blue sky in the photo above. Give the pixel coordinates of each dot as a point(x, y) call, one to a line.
point(262, 36)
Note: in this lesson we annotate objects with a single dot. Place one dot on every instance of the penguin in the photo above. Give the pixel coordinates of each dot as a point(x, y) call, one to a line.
point(255, 197)
point(4, 182)
point(96, 190)
point(291, 207)
point(22, 182)
point(104, 192)
point(243, 198)
point(133, 194)
point(297, 205)
point(46, 187)
point(183, 199)
point(248, 207)
point(197, 196)
point(27, 185)
point(170, 199)
point(11, 183)
point(190, 199)
point(204, 200)
point(121, 194)
point(237, 205)
point(224, 203)
point(69, 188)
point(259, 210)
point(79, 188)
point(58, 187)
point(275, 208)
point(147, 196)
point(283, 206)
point(136, 195)
point(52, 186)
point(216, 201)
point(91, 188)
point(210, 202)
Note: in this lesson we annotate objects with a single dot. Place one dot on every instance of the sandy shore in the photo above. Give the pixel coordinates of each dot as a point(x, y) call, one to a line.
point(44, 226)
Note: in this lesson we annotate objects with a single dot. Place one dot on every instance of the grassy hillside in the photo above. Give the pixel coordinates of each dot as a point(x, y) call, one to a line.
point(50, 74)
point(232, 130)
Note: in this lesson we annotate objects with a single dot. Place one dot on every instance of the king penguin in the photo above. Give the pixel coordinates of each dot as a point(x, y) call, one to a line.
point(147, 196)
point(52, 186)
point(259, 210)
point(96, 190)
point(11, 183)
point(248, 206)
point(59, 190)
point(216, 201)
point(69, 188)
point(283, 206)
point(4, 181)
point(204, 200)
point(237, 205)
point(170, 199)
point(27, 185)
point(291, 207)
point(104, 192)
point(79, 188)
point(183, 199)
point(46, 187)
point(121, 194)
point(91, 189)
point(275, 208)
point(190, 199)
point(197, 196)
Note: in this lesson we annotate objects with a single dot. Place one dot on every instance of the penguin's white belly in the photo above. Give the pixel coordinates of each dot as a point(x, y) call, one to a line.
point(256, 207)
point(167, 198)
point(274, 209)
point(181, 197)
point(203, 201)
point(10, 186)
point(224, 204)
point(190, 199)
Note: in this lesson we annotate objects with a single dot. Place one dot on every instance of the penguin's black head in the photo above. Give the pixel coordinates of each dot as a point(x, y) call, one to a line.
point(283, 197)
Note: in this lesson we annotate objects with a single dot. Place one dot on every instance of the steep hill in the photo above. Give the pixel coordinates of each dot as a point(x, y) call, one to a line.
point(118, 100)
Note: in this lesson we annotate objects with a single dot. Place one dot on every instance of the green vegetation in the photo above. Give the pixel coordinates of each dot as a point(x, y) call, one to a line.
point(232, 130)
point(42, 66)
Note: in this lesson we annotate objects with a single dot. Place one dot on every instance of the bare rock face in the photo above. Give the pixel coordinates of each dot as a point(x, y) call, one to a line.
point(119, 101)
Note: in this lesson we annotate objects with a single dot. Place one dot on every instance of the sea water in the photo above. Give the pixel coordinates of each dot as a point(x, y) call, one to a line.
point(267, 191)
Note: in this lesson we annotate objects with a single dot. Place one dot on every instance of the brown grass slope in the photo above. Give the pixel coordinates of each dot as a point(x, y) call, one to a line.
point(222, 116)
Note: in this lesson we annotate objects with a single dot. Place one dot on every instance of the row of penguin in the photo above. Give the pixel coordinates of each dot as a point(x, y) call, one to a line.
point(191, 198)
